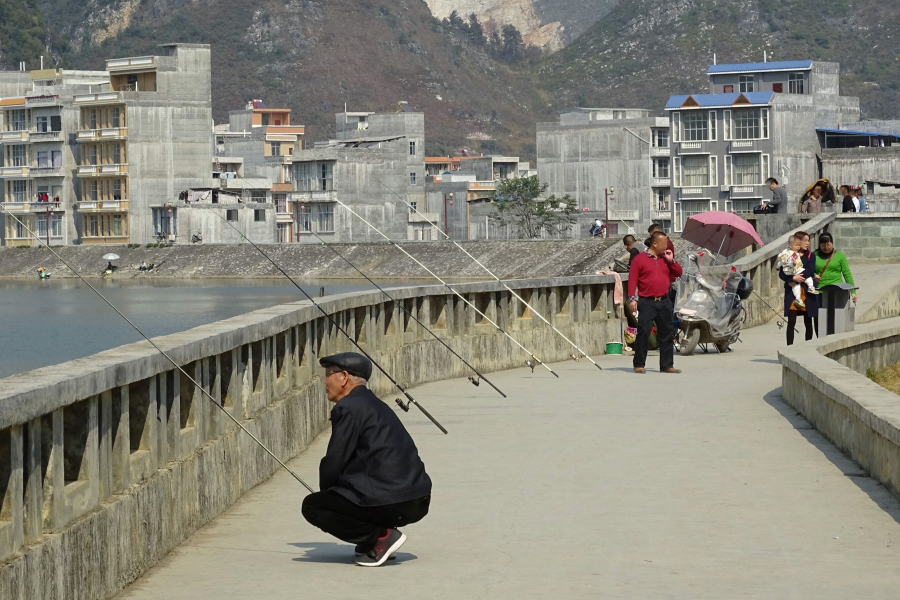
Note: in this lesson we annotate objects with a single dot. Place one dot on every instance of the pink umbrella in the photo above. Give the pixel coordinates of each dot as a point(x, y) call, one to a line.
point(724, 231)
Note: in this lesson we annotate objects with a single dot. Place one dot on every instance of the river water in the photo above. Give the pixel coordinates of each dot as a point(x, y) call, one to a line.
point(46, 323)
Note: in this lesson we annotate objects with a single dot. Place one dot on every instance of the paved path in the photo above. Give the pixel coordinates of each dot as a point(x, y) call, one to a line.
point(594, 485)
point(874, 279)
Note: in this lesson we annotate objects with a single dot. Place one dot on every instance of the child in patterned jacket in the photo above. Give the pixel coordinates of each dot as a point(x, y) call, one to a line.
point(790, 262)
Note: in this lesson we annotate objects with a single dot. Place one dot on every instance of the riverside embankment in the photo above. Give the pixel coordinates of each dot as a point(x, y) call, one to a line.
point(508, 259)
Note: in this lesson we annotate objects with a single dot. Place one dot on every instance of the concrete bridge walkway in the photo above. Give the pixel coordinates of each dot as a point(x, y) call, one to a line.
point(595, 485)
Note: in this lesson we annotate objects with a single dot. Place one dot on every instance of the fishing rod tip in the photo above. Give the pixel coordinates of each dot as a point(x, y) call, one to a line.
point(598, 366)
point(554, 373)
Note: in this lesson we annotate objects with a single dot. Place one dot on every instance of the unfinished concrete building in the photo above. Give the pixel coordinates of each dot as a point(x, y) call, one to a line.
point(375, 165)
point(613, 161)
point(37, 126)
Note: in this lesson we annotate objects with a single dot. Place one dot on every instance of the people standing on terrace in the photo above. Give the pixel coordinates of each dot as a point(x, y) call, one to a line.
point(831, 265)
point(810, 308)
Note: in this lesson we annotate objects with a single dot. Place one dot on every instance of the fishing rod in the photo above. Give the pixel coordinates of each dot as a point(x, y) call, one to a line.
point(489, 272)
point(446, 285)
point(412, 316)
point(410, 399)
point(161, 351)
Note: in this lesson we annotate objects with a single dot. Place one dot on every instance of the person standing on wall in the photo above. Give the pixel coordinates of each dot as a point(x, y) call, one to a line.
point(792, 310)
point(831, 265)
point(847, 205)
point(648, 292)
point(860, 201)
point(372, 479)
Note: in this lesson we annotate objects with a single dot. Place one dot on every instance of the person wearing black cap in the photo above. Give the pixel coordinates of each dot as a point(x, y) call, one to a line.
point(372, 479)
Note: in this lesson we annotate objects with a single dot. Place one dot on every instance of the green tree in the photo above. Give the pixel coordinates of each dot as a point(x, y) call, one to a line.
point(522, 202)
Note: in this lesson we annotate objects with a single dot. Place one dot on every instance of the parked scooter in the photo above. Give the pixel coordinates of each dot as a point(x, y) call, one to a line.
point(708, 306)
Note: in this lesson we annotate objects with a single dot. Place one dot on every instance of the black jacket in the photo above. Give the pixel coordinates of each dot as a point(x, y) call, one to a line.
point(809, 270)
point(371, 459)
point(847, 205)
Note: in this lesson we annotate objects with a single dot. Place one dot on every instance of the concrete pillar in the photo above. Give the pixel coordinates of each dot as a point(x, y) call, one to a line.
point(55, 477)
point(33, 501)
point(12, 535)
point(105, 446)
point(120, 440)
point(162, 438)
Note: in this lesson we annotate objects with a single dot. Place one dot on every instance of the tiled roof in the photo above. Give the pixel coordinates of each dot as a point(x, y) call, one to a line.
point(719, 100)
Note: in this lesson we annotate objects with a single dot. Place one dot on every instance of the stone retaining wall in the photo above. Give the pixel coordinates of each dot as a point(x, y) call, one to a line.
point(109, 462)
point(825, 381)
point(875, 236)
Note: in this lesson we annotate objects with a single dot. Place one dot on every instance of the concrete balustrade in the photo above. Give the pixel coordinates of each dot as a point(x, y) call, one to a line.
point(109, 462)
point(825, 381)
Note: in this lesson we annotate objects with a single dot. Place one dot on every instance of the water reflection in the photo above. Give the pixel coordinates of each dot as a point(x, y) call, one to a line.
point(46, 323)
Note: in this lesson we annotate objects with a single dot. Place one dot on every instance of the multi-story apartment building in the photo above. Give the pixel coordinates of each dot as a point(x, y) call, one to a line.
point(759, 120)
point(141, 142)
point(38, 160)
point(613, 161)
point(375, 165)
point(262, 141)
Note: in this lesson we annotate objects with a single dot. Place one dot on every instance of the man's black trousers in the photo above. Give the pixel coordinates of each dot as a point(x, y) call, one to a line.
point(660, 312)
point(363, 525)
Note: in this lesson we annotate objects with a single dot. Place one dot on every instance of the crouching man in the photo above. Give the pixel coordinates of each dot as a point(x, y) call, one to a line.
point(372, 479)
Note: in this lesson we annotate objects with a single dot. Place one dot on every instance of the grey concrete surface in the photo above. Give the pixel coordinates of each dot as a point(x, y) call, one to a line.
point(879, 293)
point(600, 485)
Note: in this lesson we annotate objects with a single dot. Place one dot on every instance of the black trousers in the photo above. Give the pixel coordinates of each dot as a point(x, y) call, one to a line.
point(661, 312)
point(335, 515)
point(810, 323)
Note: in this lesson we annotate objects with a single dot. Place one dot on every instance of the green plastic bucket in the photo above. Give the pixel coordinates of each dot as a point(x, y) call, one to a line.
point(614, 348)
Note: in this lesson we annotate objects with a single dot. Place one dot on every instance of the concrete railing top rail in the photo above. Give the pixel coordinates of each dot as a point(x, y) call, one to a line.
point(772, 249)
point(29, 395)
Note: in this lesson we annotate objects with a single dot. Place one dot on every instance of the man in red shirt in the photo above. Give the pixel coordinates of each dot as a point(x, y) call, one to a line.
point(649, 280)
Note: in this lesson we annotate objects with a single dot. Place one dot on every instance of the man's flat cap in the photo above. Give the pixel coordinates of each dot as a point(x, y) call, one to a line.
point(353, 363)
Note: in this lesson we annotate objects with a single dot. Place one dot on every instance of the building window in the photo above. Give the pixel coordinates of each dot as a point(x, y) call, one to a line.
point(55, 226)
point(116, 154)
point(695, 126)
point(618, 114)
point(745, 83)
point(661, 168)
point(231, 215)
point(117, 189)
point(117, 225)
point(304, 219)
point(728, 89)
point(92, 119)
point(115, 117)
point(413, 207)
point(43, 160)
point(303, 176)
point(258, 196)
point(16, 120)
point(19, 156)
point(265, 119)
point(746, 124)
point(660, 138)
point(412, 179)
point(92, 154)
point(42, 124)
point(326, 217)
point(259, 215)
point(686, 209)
point(93, 190)
point(778, 88)
point(412, 148)
point(274, 149)
point(280, 201)
point(695, 170)
point(19, 191)
point(661, 196)
point(326, 176)
point(795, 83)
point(283, 232)
point(93, 228)
point(746, 169)
point(164, 222)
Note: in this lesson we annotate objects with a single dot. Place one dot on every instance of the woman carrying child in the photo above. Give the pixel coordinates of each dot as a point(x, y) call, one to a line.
point(808, 306)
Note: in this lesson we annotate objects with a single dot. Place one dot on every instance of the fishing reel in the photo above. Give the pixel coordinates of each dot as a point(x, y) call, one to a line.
point(780, 325)
point(528, 363)
point(474, 381)
point(577, 358)
point(405, 407)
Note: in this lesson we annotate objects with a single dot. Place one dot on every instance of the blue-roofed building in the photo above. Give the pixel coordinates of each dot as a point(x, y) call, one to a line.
point(755, 121)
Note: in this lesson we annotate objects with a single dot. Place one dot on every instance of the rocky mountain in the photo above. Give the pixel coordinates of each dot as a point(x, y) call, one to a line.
point(645, 50)
point(315, 55)
point(549, 24)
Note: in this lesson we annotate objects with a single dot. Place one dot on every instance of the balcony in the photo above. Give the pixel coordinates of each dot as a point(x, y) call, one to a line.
point(660, 151)
point(102, 135)
point(23, 208)
point(284, 218)
point(690, 145)
point(661, 181)
point(15, 171)
point(745, 191)
point(102, 98)
point(14, 137)
point(46, 136)
point(102, 170)
point(691, 191)
point(130, 64)
point(743, 145)
point(47, 172)
point(112, 240)
point(101, 206)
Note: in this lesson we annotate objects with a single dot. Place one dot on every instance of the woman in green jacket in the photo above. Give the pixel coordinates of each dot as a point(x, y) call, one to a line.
point(831, 265)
